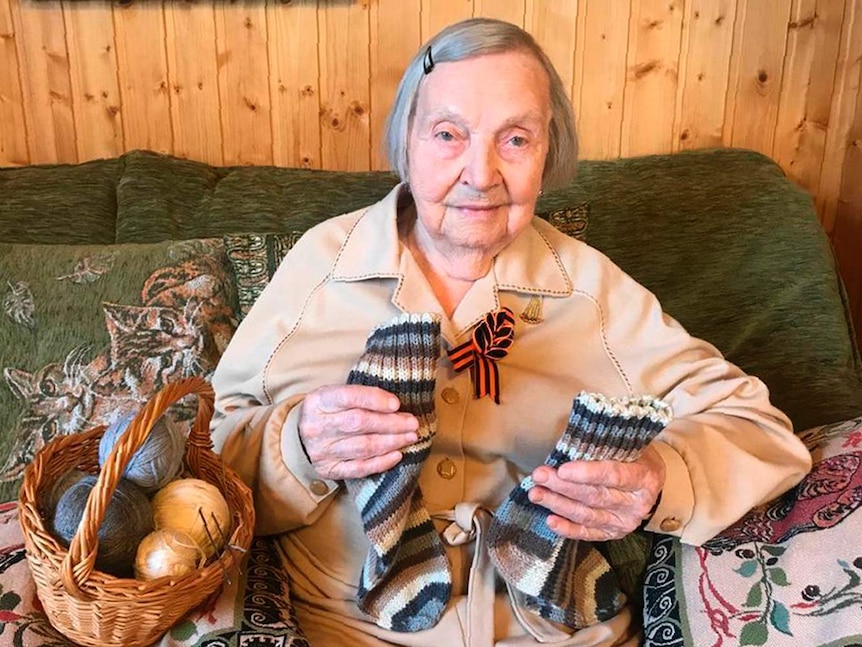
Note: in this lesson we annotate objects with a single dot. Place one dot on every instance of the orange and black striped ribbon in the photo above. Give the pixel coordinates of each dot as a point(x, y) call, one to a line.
point(491, 340)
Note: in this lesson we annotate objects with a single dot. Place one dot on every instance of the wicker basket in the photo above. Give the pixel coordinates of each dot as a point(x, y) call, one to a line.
point(94, 608)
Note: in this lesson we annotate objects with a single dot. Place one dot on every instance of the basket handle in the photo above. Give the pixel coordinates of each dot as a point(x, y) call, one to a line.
point(80, 560)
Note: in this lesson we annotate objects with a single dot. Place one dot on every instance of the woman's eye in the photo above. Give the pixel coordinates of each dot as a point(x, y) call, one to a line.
point(445, 135)
point(518, 141)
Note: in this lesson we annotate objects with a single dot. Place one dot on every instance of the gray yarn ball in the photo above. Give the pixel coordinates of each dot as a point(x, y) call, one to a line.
point(128, 519)
point(66, 480)
point(158, 461)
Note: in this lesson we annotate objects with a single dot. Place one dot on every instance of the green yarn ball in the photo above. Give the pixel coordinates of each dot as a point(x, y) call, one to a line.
point(128, 519)
point(158, 461)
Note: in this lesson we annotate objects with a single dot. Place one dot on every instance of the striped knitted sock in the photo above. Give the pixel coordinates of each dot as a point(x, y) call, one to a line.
point(405, 581)
point(563, 580)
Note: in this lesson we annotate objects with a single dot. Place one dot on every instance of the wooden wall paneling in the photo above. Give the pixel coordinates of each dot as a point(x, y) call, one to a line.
point(603, 76)
point(655, 32)
point(45, 84)
point(193, 81)
point(553, 23)
point(704, 67)
point(509, 10)
point(395, 38)
point(437, 14)
point(755, 80)
point(142, 66)
point(13, 129)
point(95, 84)
point(344, 78)
point(845, 95)
point(294, 84)
point(243, 69)
point(814, 34)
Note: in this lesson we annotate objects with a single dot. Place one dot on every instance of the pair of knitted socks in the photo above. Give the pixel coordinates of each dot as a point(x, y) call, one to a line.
point(405, 582)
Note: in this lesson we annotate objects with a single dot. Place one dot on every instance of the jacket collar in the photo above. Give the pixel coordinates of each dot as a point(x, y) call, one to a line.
point(529, 264)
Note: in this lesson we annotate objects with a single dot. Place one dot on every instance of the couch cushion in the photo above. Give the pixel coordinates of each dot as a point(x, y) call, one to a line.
point(87, 333)
point(69, 203)
point(734, 251)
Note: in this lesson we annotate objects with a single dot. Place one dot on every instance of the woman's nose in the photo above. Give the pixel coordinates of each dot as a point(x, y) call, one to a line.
point(482, 167)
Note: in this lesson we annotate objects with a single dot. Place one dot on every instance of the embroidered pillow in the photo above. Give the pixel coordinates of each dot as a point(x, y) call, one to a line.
point(572, 221)
point(88, 333)
point(787, 573)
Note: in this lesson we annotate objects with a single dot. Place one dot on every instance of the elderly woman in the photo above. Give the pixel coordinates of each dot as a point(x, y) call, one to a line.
point(446, 408)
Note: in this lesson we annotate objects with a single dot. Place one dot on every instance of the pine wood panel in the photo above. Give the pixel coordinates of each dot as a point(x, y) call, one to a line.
point(436, 14)
point(13, 130)
point(193, 81)
point(95, 85)
point(46, 89)
point(142, 68)
point(509, 10)
point(294, 87)
point(655, 32)
point(845, 96)
point(600, 100)
point(344, 93)
point(705, 65)
point(243, 74)
point(553, 23)
point(395, 38)
point(806, 94)
point(756, 70)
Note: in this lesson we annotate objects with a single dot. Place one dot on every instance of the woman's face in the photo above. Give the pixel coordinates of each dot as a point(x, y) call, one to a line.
point(476, 152)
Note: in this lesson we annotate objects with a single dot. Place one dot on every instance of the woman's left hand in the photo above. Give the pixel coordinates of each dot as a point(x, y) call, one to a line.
point(599, 500)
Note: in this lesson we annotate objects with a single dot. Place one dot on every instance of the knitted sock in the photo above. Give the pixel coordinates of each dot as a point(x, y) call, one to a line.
point(405, 581)
point(564, 580)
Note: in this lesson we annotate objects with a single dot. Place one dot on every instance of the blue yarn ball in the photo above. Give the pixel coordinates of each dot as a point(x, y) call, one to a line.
point(158, 461)
point(128, 519)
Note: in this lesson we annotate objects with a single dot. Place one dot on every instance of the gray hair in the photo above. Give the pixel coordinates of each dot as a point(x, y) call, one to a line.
point(468, 39)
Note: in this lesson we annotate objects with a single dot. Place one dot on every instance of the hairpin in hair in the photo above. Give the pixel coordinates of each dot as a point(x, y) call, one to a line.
point(428, 62)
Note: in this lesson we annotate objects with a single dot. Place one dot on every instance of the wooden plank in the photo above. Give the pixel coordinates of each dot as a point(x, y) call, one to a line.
point(649, 99)
point(603, 74)
point(45, 83)
point(95, 87)
point(806, 94)
point(344, 93)
point(143, 71)
point(395, 38)
point(553, 23)
point(704, 68)
point(756, 76)
point(193, 81)
point(842, 114)
point(509, 10)
point(13, 129)
point(243, 68)
point(437, 14)
point(294, 83)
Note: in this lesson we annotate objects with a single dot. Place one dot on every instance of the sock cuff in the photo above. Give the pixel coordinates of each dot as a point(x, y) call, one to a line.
point(601, 427)
point(401, 357)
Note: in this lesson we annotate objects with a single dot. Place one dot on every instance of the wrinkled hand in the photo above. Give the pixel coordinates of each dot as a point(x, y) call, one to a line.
point(599, 500)
point(351, 431)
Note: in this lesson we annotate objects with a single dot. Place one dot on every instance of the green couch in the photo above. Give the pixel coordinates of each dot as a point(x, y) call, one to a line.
point(119, 275)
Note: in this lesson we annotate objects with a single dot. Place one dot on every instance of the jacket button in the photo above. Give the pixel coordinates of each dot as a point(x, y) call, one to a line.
point(318, 487)
point(670, 524)
point(450, 395)
point(446, 469)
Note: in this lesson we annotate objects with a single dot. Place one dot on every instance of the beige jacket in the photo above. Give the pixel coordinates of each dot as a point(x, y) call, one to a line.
point(726, 450)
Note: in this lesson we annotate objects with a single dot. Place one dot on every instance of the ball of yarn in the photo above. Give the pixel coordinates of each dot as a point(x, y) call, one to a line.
point(128, 519)
point(158, 461)
point(167, 551)
point(196, 508)
point(53, 494)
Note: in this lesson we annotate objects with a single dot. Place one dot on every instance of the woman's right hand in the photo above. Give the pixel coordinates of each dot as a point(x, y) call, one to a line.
point(351, 431)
